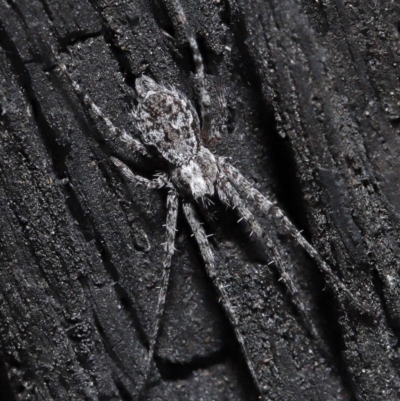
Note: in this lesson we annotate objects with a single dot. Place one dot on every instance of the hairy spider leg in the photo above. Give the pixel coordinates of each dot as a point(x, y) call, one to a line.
point(208, 258)
point(133, 144)
point(230, 197)
point(204, 98)
point(242, 185)
point(170, 225)
point(172, 216)
point(159, 182)
point(223, 106)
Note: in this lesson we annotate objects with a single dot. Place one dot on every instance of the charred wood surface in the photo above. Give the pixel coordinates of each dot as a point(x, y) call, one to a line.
point(307, 96)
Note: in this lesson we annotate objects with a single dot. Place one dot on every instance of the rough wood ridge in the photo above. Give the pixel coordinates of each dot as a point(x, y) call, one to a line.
point(307, 96)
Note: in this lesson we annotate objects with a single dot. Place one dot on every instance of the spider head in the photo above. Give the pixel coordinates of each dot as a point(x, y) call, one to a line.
point(145, 84)
point(198, 176)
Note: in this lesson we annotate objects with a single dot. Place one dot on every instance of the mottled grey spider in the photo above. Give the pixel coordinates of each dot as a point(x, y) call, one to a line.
point(168, 123)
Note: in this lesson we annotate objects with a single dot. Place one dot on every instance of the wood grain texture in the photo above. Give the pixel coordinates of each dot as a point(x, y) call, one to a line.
point(312, 118)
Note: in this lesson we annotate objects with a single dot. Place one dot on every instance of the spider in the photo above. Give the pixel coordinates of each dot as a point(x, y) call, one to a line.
point(168, 123)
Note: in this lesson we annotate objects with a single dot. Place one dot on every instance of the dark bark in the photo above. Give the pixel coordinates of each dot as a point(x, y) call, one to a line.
point(312, 118)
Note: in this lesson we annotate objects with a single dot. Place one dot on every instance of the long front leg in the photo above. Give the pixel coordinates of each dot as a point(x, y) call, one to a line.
point(208, 259)
point(230, 197)
point(242, 185)
point(172, 215)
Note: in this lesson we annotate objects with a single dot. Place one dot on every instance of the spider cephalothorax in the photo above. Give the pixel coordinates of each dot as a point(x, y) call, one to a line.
point(198, 176)
point(167, 122)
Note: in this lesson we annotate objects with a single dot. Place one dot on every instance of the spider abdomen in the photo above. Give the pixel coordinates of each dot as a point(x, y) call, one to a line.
point(168, 121)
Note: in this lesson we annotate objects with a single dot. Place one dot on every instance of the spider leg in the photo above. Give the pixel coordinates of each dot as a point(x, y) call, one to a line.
point(242, 185)
point(172, 215)
point(208, 258)
point(159, 182)
point(229, 196)
point(119, 133)
point(205, 102)
point(223, 106)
